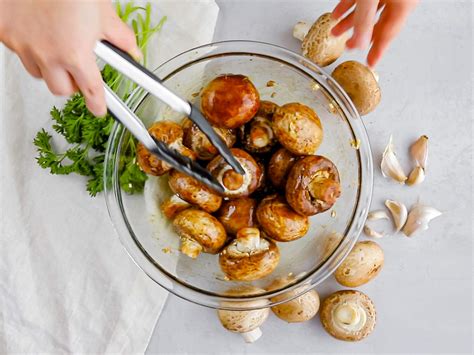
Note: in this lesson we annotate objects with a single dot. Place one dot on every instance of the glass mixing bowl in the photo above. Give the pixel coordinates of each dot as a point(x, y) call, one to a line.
point(280, 76)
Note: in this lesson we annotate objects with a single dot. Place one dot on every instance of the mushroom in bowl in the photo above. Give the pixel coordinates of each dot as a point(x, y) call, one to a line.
point(237, 213)
point(279, 166)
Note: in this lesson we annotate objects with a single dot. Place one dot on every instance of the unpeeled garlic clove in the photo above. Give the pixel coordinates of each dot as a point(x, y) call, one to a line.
point(390, 165)
point(419, 151)
point(376, 215)
point(419, 218)
point(372, 233)
point(417, 176)
point(399, 213)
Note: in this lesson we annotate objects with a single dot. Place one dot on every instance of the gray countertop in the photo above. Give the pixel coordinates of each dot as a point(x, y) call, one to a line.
point(423, 295)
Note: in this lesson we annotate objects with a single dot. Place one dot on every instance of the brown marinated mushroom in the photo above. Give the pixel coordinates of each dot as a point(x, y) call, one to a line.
point(194, 192)
point(237, 214)
point(169, 133)
point(298, 128)
point(278, 220)
point(313, 185)
point(279, 166)
point(230, 101)
point(199, 232)
point(348, 315)
point(360, 83)
point(236, 185)
point(172, 206)
point(249, 257)
point(197, 141)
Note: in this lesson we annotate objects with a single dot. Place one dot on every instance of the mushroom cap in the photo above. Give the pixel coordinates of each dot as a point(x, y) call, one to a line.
point(236, 185)
point(319, 45)
point(267, 109)
point(197, 141)
point(230, 101)
point(279, 166)
point(360, 83)
point(364, 262)
point(192, 191)
point(313, 185)
point(201, 227)
point(298, 128)
point(249, 257)
point(237, 214)
point(173, 205)
point(279, 221)
point(169, 133)
point(348, 315)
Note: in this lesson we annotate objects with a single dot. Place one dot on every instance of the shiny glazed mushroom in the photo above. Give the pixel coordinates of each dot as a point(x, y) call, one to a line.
point(169, 133)
point(249, 257)
point(199, 231)
point(298, 128)
point(237, 214)
point(230, 101)
point(279, 166)
point(313, 185)
point(236, 185)
point(192, 191)
point(279, 221)
point(172, 206)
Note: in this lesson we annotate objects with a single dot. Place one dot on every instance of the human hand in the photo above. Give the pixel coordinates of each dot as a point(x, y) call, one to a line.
point(366, 29)
point(55, 40)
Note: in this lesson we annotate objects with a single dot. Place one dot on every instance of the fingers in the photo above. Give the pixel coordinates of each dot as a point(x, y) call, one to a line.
point(30, 64)
point(58, 80)
point(342, 8)
point(343, 25)
point(364, 18)
point(118, 33)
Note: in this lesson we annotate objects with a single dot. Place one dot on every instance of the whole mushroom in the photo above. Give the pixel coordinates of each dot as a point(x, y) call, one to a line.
point(318, 44)
point(172, 206)
point(169, 133)
point(348, 315)
point(194, 192)
point(197, 141)
point(364, 262)
point(279, 221)
point(313, 185)
point(236, 185)
point(249, 257)
point(229, 101)
point(298, 128)
point(237, 214)
point(360, 83)
point(199, 231)
point(279, 166)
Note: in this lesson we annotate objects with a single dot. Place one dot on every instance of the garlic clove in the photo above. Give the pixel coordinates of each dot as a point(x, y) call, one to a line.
point(372, 233)
point(390, 165)
point(399, 213)
point(419, 218)
point(376, 215)
point(417, 176)
point(300, 30)
point(419, 151)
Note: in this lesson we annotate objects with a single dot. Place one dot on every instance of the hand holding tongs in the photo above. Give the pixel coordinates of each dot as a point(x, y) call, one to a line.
point(125, 64)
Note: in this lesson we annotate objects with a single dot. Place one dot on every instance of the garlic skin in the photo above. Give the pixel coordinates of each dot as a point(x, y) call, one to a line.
point(372, 233)
point(419, 218)
point(417, 176)
point(419, 151)
point(390, 165)
point(399, 213)
point(378, 214)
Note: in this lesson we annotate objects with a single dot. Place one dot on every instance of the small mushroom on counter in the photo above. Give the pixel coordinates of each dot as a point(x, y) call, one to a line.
point(229, 101)
point(236, 185)
point(237, 214)
point(199, 232)
point(299, 309)
point(194, 192)
point(313, 185)
point(298, 128)
point(247, 323)
point(197, 141)
point(279, 221)
point(172, 206)
point(257, 135)
point(169, 133)
point(249, 257)
point(348, 315)
point(360, 83)
point(364, 263)
point(318, 44)
point(279, 166)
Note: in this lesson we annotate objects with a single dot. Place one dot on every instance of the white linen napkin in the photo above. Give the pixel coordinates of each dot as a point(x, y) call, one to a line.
point(66, 283)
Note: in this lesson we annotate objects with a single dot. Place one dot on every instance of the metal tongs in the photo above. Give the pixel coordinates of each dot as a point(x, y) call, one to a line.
point(125, 64)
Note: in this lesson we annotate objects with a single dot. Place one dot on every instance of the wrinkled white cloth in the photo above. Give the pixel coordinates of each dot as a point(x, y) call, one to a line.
point(66, 283)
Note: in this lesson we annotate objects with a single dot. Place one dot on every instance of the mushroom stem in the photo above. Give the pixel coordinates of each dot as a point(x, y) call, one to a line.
point(252, 335)
point(300, 30)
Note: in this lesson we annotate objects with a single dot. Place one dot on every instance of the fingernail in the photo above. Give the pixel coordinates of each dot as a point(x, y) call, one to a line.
point(136, 54)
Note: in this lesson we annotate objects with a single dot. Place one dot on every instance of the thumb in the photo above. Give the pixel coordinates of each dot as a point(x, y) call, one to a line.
point(119, 34)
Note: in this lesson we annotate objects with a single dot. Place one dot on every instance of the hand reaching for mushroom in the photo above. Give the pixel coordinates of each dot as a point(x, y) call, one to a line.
point(366, 29)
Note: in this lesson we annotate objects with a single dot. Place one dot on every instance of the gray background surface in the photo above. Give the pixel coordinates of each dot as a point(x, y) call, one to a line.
point(423, 295)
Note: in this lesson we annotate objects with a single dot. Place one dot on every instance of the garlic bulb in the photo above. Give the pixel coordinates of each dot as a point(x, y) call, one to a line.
point(419, 151)
point(399, 213)
point(419, 218)
point(390, 165)
point(417, 176)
